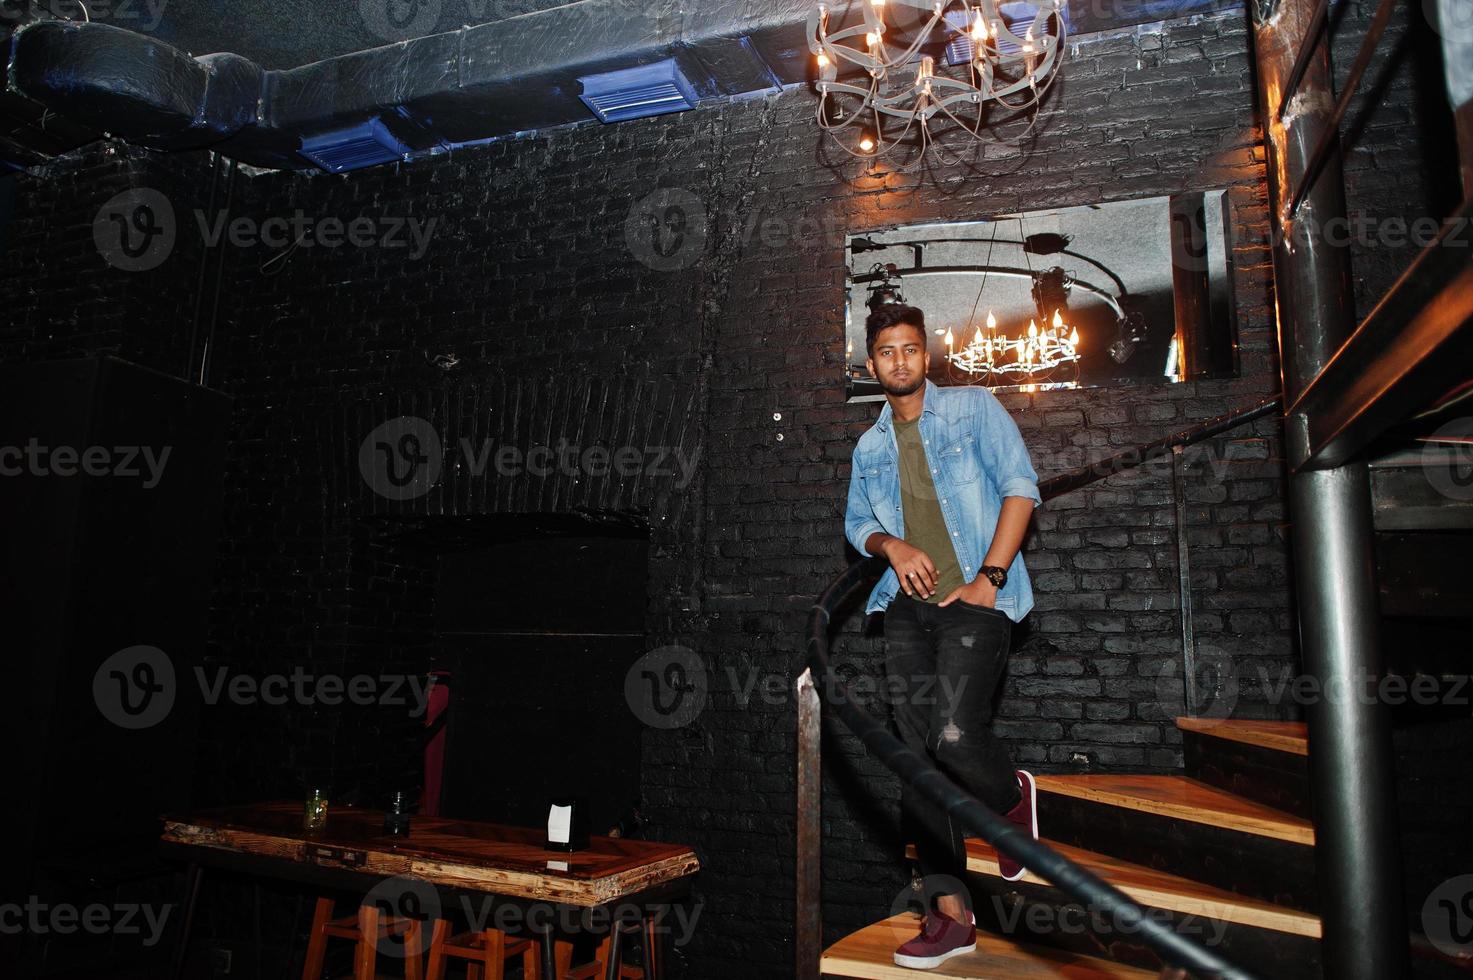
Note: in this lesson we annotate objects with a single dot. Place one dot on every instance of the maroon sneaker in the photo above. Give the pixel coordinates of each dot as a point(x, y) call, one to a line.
point(941, 938)
point(1025, 815)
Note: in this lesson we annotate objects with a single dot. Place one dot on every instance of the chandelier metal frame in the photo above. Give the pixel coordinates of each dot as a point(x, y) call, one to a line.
point(995, 75)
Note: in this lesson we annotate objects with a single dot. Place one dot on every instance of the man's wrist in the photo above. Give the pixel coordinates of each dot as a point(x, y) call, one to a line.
point(880, 547)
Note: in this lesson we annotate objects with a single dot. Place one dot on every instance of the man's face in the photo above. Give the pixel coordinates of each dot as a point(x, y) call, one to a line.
point(899, 360)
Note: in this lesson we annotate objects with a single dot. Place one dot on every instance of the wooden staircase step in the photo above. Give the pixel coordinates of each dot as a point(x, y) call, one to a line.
point(1187, 828)
point(1161, 889)
point(868, 955)
point(1181, 798)
point(1281, 736)
point(1264, 761)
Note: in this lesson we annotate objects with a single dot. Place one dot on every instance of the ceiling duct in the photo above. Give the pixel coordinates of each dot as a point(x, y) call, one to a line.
point(633, 93)
point(426, 95)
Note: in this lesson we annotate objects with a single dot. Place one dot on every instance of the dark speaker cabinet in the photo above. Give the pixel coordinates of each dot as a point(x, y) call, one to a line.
point(108, 545)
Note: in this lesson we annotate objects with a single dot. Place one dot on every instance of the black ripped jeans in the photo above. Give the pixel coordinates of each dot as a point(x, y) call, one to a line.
point(944, 666)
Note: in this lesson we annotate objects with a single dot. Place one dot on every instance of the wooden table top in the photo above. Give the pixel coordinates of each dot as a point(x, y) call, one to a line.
point(501, 860)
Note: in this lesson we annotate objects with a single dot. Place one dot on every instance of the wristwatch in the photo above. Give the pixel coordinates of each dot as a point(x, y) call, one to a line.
point(997, 576)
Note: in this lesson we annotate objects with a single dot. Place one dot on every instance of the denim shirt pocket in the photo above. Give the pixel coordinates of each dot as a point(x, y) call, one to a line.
point(878, 474)
point(959, 461)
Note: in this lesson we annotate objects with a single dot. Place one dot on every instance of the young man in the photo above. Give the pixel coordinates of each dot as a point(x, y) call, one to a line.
point(942, 487)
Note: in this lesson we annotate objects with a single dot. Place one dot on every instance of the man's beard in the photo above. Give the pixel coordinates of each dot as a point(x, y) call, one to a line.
point(900, 391)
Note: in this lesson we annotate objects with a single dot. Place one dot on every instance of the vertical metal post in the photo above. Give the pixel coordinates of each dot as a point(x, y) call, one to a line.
point(1191, 698)
point(1357, 849)
point(808, 925)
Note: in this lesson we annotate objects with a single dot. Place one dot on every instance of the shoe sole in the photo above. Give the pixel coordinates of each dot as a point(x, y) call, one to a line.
point(1033, 829)
point(931, 962)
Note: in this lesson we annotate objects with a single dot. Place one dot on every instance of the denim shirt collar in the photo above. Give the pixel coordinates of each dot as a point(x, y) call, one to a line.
point(928, 407)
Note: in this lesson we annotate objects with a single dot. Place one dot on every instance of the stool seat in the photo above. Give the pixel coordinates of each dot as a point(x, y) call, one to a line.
point(367, 927)
point(486, 952)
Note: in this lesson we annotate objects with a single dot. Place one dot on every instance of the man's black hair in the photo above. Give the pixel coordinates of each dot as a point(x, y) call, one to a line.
point(887, 315)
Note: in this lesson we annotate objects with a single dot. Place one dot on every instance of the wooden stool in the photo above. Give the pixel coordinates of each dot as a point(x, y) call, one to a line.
point(488, 951)
point(366, 928)
point(597, 970)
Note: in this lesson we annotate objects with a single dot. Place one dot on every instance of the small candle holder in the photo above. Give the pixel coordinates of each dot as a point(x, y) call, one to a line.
point(314, 811)
point(396, 818)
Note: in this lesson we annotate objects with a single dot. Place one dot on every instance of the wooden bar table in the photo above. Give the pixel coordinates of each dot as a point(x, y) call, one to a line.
point(459, 857)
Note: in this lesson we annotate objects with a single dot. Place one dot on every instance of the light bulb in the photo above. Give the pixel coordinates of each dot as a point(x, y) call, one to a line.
point(866, 144)
point(950, 340)
point(872, 39)
point(1058, 320)
point(979, 30)
point(1032, 328)
point(991, 321)
point(1074, 338)
point(823, 60)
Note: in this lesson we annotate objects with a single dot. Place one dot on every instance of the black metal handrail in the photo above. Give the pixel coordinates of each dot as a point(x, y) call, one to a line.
point(974, 816)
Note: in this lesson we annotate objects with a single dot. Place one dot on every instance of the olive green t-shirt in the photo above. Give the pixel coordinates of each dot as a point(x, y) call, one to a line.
point(925, 528)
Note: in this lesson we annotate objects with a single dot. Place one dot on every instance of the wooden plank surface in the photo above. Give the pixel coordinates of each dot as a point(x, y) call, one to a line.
point(1282, 736)
point(1159, 889)
point(1183, 799)
point(868, 955)
point(502, 860)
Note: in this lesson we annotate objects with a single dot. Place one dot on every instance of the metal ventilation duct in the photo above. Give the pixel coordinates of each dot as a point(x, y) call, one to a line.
point(437, 92)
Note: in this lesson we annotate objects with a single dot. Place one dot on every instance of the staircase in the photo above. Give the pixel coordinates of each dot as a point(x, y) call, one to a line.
point(1224, 853)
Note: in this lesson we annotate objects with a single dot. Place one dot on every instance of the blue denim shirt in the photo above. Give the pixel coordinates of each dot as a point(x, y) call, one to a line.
point(976, 457)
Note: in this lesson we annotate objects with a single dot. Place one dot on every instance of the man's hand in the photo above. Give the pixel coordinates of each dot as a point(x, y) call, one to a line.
point(979, 592)
point(913, 566)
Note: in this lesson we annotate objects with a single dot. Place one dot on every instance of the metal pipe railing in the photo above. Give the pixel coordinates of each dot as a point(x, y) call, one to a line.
point(974, 816)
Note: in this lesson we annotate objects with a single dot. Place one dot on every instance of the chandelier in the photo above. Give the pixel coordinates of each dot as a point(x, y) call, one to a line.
point(1001, 66)
point(1038, 356)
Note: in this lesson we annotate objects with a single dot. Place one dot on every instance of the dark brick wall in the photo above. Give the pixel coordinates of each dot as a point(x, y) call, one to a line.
point(530, 283)
point(62, 298)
